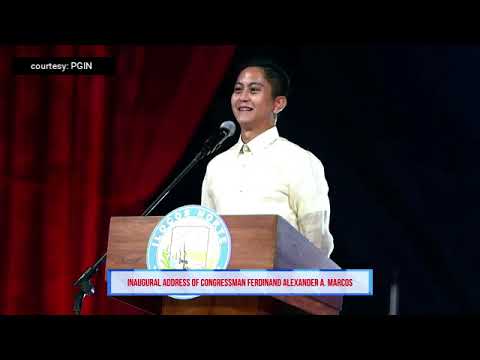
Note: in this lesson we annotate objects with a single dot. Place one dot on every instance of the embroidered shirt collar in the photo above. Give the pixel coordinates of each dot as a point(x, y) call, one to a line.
point(259, 143)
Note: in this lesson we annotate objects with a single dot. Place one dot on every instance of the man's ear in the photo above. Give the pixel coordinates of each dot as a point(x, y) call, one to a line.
point(279, 104)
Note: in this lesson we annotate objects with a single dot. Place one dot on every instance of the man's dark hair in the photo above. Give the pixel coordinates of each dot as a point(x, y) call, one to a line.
point(274, 73)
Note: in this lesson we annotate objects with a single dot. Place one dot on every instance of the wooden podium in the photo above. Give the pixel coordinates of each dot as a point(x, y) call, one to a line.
point(258, 242)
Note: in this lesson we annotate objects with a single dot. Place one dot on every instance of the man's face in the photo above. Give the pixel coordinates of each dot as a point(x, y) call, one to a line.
point(251, 101)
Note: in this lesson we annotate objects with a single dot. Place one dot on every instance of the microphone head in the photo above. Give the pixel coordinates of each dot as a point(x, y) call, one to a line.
point(229, 127)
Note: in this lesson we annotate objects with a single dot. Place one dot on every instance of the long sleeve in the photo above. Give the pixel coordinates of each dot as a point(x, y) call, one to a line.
point(315, 227)
point(309, 199)
point(207, 200)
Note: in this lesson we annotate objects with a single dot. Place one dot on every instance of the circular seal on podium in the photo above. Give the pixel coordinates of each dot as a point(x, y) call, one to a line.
point(191, 237)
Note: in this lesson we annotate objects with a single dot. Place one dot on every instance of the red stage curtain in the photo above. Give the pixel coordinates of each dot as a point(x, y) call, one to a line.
point(77, 149)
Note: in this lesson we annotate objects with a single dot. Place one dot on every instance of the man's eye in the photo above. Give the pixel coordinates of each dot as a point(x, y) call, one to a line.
point(237, 89)
point(255, 90)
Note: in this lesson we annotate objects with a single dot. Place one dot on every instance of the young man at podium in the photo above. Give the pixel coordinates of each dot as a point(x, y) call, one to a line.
point(264, 173)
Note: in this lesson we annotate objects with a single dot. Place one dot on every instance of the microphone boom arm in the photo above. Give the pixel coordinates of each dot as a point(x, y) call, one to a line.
point(83, 282)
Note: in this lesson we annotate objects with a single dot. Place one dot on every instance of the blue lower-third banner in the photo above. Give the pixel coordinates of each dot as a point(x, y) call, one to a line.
point(240, 282)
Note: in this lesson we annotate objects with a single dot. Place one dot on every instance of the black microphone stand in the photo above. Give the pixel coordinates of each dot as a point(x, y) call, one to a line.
point(83, 282)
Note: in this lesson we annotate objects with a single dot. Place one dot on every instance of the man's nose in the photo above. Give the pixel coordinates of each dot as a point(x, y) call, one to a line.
point(244, 95)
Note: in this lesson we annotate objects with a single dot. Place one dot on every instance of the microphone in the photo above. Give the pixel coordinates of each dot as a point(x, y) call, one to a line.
point(227, 129)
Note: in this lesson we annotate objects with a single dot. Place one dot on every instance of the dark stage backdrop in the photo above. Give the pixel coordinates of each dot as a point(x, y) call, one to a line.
point(397, 128)
point(76, 150)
